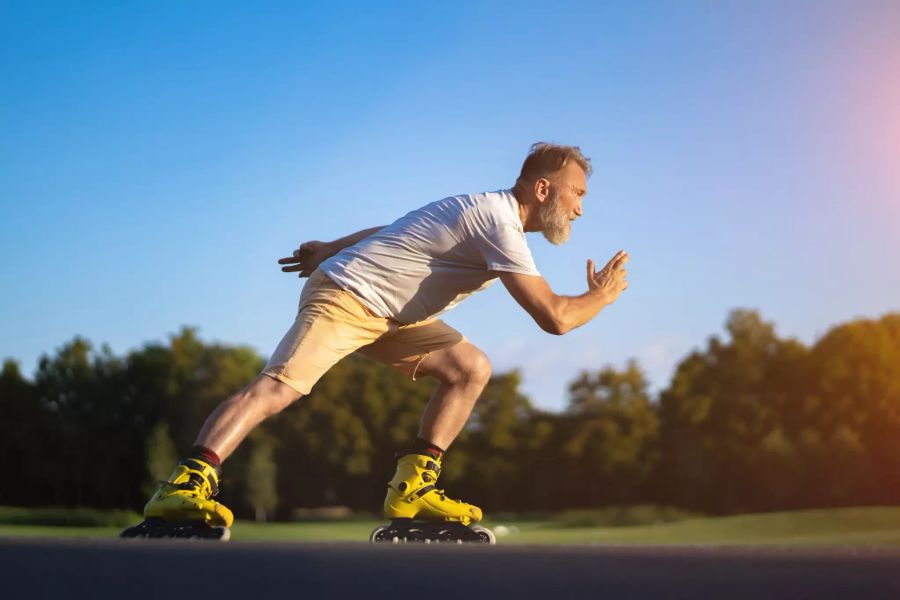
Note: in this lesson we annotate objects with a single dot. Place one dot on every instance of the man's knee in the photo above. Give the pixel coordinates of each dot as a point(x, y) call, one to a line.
point(470, 366)
point(480, 367)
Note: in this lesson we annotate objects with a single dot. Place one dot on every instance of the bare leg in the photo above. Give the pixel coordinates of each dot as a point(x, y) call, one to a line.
point(234, 418)
point(463, 371)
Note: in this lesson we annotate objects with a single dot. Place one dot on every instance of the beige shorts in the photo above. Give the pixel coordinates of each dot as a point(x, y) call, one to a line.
point(332, 323)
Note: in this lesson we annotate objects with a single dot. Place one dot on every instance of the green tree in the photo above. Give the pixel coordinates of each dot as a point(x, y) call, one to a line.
point(722, 420)
point(855, 405)
point(611, 435)
point(261, 492)
point(80, 390)
point(22, 424)
point(161, 457)
point(88, 407)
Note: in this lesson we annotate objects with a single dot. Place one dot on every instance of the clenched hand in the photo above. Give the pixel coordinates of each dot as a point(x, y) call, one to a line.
point(611, 278)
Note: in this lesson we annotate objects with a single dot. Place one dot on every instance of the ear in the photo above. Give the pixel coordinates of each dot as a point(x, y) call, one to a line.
point(541, 189)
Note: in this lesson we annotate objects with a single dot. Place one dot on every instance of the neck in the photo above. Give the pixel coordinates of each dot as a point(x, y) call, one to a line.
point(527, 208)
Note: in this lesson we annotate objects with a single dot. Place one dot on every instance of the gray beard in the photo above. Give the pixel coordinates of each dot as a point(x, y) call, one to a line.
point(555, 223)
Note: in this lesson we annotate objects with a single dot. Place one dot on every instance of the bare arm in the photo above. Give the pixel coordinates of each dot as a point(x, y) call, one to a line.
point(349, 240)
point(560, 314)
point(310, 255)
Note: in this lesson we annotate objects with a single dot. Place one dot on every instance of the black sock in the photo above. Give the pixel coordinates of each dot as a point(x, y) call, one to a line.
point(420, 446)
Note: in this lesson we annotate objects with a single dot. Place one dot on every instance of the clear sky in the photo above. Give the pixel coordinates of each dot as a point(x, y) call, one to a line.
point(156, 159)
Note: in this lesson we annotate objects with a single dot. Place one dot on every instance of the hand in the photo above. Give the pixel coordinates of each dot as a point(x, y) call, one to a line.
point(610, 280)
point(306, 258)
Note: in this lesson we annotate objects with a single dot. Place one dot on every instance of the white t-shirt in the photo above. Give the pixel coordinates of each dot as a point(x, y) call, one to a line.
point(429, 260)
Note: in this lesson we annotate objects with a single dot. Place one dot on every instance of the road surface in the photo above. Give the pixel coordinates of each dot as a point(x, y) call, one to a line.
point(203, 570)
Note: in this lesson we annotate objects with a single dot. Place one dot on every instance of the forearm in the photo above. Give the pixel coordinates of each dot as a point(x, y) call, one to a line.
point(574, 311)
point(346, 241)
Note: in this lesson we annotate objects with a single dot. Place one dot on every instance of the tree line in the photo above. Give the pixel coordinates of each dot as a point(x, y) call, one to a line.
point(749, 422)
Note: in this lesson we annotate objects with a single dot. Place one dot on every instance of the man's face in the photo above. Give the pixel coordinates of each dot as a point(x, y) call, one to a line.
point(563, 203)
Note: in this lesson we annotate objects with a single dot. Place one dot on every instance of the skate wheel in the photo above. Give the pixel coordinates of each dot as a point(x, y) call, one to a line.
point(374, 536)
point(156, 528)
point(487, 536)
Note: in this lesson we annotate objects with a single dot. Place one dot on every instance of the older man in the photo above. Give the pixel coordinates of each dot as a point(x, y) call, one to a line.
point(380, 291)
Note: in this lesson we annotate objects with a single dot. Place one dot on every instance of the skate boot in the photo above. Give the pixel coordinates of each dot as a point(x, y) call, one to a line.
point(420, 512)
point(182, 506)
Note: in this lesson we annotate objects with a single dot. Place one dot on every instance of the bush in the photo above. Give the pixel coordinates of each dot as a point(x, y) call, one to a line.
point(67, 517)
point(622, 516)
point(322, 513)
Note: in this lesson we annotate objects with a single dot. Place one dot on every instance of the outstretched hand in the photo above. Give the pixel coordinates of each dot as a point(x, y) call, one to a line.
point(306, 258)
point(611, 278)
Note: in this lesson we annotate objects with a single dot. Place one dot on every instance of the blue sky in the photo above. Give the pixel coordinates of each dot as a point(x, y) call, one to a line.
point(156, 159)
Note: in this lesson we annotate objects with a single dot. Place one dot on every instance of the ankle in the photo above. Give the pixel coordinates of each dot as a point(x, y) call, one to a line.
point(424, 447)
point(206, 455)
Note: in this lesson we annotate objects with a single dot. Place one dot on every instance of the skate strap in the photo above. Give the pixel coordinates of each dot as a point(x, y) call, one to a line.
point(209, 471)
point(419, 493)
point(188, 486)
point(203, 472)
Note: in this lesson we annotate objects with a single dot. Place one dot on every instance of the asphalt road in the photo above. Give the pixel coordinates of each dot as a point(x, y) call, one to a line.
point(100, 569)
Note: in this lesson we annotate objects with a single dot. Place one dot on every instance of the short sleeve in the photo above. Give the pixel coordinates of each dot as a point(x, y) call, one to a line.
point(504, 249)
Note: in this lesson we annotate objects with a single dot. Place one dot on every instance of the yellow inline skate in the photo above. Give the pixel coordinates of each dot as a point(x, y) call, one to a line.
point(182, 506)
point(420, 512)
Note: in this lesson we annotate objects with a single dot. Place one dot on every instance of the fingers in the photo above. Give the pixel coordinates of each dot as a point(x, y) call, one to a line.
point(303, 261)
point(304, 250)
point(294, 263)
point(590, 267)
point(302, 253)
point(613, 274)
point(304, 270)
point(299, 255)
point(616, 262)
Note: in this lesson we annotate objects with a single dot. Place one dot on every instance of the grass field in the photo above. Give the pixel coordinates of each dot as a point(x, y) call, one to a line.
point(870, 526)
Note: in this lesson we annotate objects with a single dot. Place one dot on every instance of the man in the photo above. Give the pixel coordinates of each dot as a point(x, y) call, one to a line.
point(380, 291)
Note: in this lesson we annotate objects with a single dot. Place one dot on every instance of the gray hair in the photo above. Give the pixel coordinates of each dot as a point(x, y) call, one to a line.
point(546, 160)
